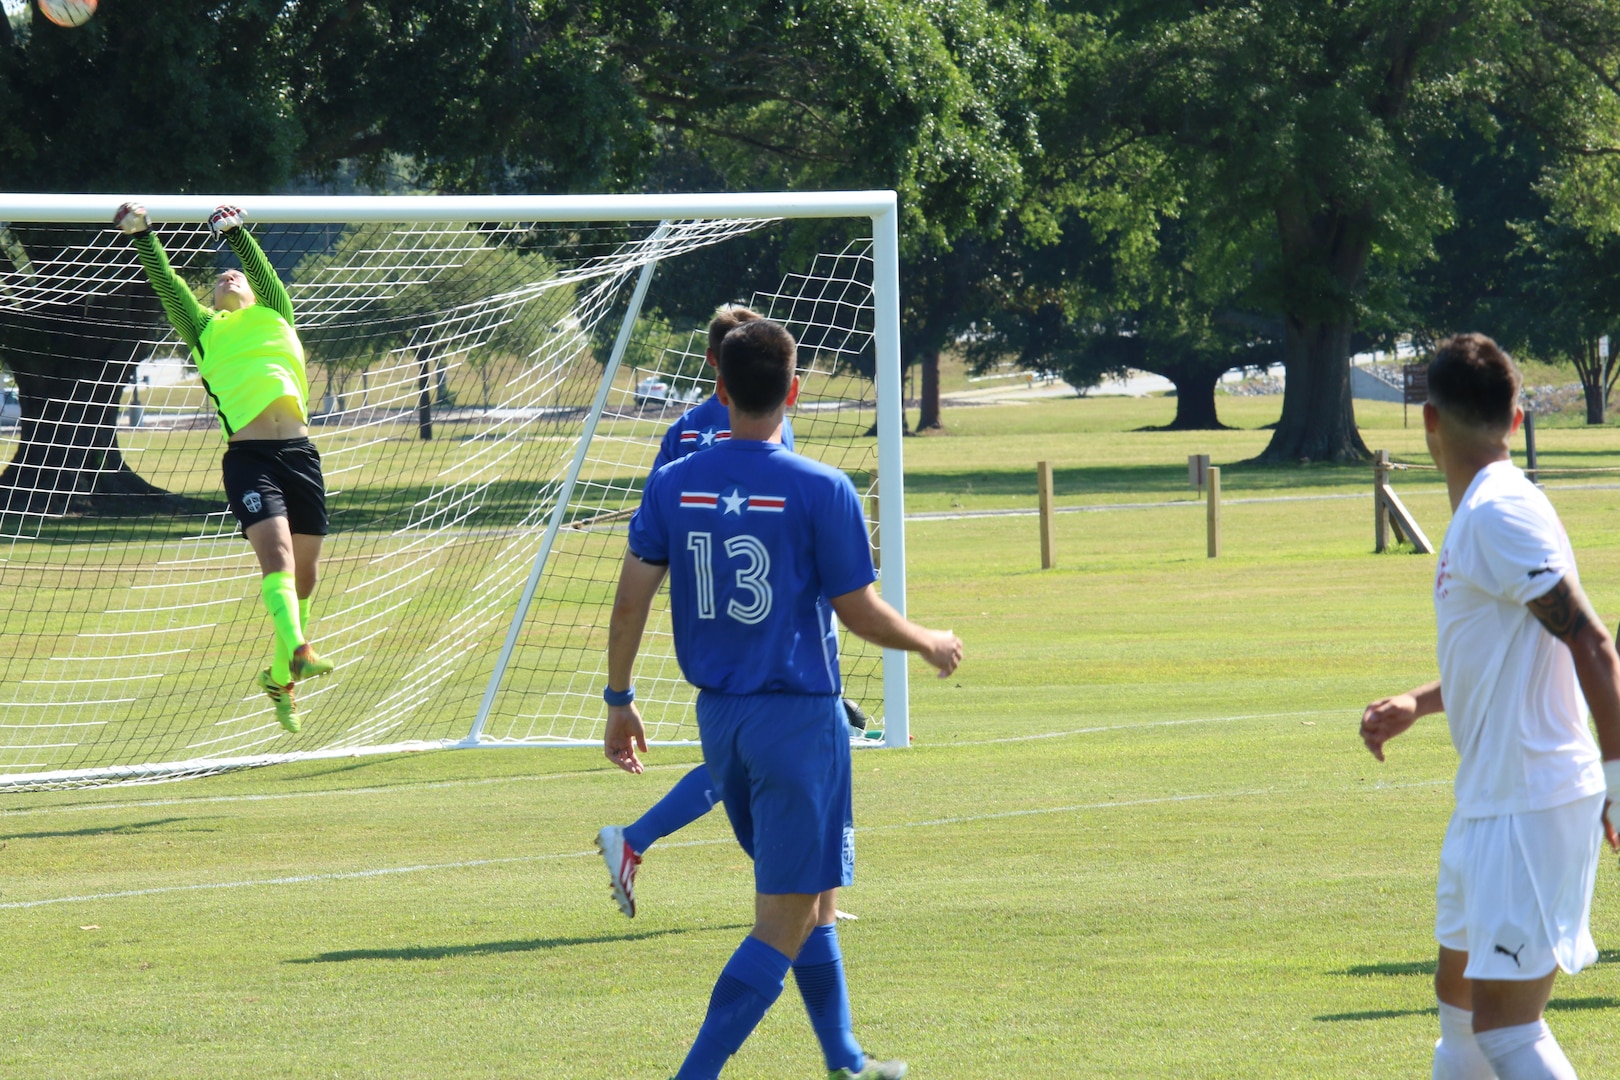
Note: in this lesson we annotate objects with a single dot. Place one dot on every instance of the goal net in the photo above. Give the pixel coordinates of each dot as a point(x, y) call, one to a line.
point(489, 378)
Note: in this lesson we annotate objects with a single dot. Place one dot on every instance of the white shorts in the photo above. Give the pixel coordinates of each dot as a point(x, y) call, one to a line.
point(1515, 891)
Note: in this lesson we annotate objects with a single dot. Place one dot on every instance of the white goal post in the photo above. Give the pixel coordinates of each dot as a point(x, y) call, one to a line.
point(130, 624)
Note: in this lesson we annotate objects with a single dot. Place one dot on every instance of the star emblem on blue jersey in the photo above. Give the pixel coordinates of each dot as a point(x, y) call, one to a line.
point(707, 437)
point(734, 501)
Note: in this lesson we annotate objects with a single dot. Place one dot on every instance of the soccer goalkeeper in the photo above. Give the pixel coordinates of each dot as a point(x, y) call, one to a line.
point(252, 365)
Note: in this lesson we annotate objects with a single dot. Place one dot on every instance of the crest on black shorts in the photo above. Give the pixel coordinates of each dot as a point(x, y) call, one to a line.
point(253, 503)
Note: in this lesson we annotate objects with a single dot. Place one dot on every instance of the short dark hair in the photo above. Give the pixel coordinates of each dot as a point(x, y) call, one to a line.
point(1472, 379)
point(727, 317)
point(756, 362)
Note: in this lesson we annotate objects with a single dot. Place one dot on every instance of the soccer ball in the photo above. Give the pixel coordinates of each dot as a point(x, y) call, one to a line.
point(67, 12)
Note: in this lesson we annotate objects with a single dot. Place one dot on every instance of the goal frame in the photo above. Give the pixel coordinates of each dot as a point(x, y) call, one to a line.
point(878, 206)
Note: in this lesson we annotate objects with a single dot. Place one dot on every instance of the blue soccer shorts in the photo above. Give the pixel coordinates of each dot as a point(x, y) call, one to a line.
point(780, 763)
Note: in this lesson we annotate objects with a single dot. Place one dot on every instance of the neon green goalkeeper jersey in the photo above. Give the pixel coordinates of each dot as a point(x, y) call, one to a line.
point(246, 359)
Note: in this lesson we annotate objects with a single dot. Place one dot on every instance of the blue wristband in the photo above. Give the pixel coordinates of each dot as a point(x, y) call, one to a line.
point(618, 698)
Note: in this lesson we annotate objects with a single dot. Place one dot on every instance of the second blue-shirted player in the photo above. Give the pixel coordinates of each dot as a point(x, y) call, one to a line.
point(762, 547)
point(705, 425)
point(623, 846)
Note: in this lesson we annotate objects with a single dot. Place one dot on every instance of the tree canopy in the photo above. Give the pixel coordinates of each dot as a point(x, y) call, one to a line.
point(1171, 185)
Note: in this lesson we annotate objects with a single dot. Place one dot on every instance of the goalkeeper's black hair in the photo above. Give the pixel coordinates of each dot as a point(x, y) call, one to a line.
point(757, 361)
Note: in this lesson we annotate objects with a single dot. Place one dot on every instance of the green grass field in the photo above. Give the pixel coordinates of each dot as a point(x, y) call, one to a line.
point(1136, 836)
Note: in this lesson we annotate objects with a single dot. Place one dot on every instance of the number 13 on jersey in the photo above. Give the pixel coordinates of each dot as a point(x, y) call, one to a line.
point(752, 602)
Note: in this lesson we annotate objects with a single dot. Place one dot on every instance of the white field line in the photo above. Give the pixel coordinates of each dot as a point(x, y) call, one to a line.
point(204, 800)
point(466, 864)
point(1168, 504)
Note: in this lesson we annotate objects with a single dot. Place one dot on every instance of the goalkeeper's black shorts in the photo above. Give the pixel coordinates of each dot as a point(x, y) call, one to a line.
point(266, 478)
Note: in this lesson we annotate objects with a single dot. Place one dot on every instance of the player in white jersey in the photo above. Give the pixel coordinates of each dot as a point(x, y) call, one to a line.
point(1518, 646)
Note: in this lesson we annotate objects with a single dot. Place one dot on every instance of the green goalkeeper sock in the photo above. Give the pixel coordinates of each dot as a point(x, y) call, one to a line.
point(281, 599)
point(284, 654)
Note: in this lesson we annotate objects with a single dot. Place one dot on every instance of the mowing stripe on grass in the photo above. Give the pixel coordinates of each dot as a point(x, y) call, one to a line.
point(431, 785)
point(386, 871)
point(1146, 724)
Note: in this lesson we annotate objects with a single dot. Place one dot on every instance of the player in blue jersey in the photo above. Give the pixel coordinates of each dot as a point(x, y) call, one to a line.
point(623, 846)
point(705, 424)
point(762, 547)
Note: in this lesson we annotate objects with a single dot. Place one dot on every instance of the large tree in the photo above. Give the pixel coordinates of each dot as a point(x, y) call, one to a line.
point(1312, 120)
point(532, 95)
point(938, 101)
point(1122, 280)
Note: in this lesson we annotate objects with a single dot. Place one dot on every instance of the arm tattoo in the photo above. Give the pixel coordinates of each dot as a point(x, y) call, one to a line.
point(1564, 611)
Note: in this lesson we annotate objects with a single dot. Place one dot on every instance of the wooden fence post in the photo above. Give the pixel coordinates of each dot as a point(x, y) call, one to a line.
point(1043, 485)
point(1391, 514)
point(1530, 445)
point(1380, 508)
point(1213, 510)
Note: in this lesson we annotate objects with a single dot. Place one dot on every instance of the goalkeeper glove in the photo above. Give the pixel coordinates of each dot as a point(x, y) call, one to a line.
point(225, 219)
point(131, 219)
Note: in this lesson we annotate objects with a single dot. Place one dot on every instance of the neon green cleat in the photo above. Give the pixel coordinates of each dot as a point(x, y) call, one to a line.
point(306, 665)
point(286, 708)
point(872, 1070)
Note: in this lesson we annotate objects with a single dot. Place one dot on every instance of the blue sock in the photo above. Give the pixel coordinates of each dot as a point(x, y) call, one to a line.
point(819, 971)
point(686, 802)
point(750, 982)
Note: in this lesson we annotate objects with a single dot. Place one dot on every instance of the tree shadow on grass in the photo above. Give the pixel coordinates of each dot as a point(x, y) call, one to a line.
point(1389, 967)
point(1375, 1014)
point(493, 948)
point(1425, 968)
point(1138, 480)
point(1582, 1004)
point(126, 829)
point(343, 767)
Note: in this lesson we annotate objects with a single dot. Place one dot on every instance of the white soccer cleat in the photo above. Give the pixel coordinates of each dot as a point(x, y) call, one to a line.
point(622, 864)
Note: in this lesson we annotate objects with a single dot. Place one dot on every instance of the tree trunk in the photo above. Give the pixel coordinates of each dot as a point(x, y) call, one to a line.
point(1325, 252)
point(71, 365)
point(930, 418)
point(1195, 399)
point(1596, 407)
point(1595, 383)
point(1318, 419)
point(424, 401)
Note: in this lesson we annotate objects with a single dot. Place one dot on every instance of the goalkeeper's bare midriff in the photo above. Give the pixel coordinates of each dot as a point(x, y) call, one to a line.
point(281, 419)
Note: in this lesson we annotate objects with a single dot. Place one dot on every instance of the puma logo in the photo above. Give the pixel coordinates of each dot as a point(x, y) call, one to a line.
point(1538, 573)
point(1514, 956)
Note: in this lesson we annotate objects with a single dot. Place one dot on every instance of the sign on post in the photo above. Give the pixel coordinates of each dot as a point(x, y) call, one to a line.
point(1197, 470)
point(1414, 387)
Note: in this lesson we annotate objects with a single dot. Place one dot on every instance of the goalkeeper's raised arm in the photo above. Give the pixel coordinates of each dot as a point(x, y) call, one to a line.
point(251, 363)
point(246, 349)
